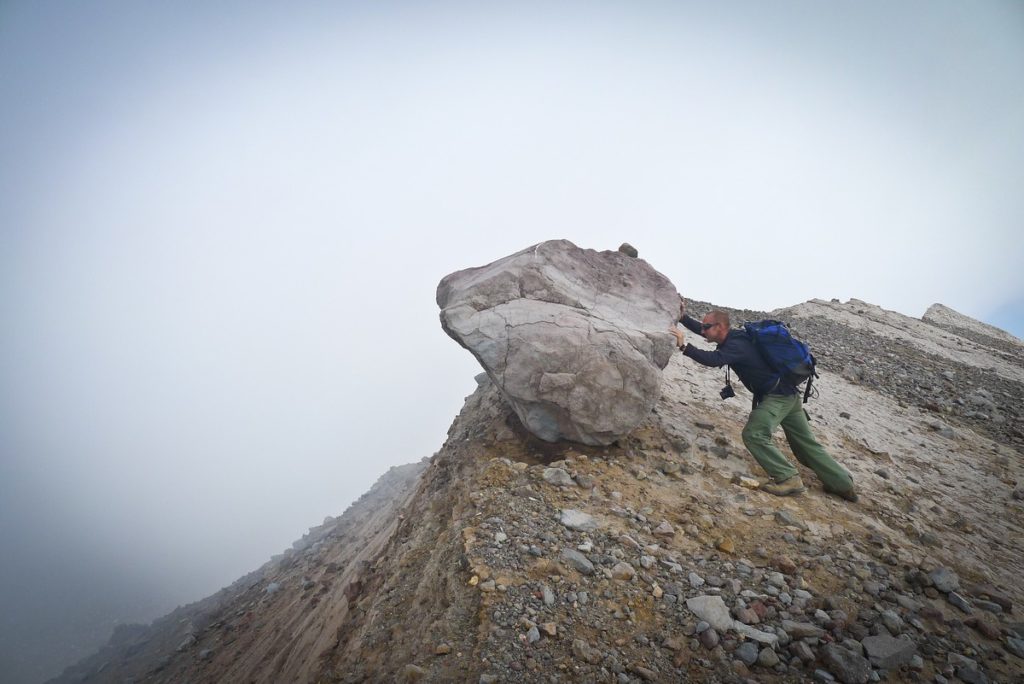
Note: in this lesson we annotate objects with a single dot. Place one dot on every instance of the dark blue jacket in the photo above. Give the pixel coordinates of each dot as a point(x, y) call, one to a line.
point(739, 353)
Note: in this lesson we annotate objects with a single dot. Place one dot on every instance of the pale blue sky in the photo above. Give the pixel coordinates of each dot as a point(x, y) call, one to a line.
point(221, 225)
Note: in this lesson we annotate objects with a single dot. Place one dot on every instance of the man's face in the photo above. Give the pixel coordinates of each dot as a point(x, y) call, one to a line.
point(714, 332)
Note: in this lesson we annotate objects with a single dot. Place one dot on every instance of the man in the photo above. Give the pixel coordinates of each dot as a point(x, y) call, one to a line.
point(775, 404)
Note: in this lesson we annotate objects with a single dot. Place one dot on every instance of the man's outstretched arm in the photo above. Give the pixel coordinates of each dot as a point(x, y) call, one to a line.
point(691, 324)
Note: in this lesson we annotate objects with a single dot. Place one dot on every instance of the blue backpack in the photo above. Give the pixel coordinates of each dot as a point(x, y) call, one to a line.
point(790, 358)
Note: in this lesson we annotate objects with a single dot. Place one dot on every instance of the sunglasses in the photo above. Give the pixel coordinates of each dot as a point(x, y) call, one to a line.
point(707, 326)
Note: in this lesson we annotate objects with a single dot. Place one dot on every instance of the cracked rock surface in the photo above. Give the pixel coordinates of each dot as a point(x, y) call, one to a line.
point(574, 339)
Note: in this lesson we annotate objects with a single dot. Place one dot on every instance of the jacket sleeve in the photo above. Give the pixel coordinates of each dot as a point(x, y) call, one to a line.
point(691, 324)
point(726, 355)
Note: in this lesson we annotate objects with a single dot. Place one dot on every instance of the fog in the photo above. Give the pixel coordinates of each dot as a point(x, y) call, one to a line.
point(221, 230)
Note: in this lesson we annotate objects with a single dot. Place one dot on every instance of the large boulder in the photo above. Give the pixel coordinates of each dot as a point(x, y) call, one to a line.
point(575, 339)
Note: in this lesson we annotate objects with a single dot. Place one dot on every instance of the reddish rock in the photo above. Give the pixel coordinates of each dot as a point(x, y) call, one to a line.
point(747, 616)
point(986, 628)
point(784, 564)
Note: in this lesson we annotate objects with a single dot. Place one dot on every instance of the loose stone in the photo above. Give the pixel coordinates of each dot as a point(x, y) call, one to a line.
point(945, 580)
point(768, 657)
point(709, 638)
point(577, 561)
point(959, 601)
point(578, 520)
point(847, 666)
point(747, 652)
point(889, 652)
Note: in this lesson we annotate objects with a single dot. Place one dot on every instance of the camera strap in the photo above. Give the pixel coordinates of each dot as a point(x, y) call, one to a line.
point(728, 383)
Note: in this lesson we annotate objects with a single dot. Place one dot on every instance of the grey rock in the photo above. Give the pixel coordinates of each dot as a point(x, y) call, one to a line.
point(578, 520)
point(547, 595)
point(971, 675)
point(533, 635)
point(988, 606)
point(958, 660)
point(786, 518)
point(1015, 646)
point(847, 666)
point(959, 601)
point(889, 652)
point(945, 580)
point(413, 673)
point(802, 651)
point(823, 676)
point(558, 477)
point(892, 622)
point(757, 635)
point(802, 630)
point(584, 651)
point(578, 561)
point(908, 603)
point(711, 609)
point(747, 652)
point(709, 638)
point(574, 339)
point(768, 657)
point(623, 571)
point(664, 529)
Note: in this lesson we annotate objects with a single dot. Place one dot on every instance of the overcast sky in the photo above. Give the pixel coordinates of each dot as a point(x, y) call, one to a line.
point(222, 227)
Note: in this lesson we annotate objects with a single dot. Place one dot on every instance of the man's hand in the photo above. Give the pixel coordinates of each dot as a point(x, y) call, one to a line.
point(678, 335)
point(682, 307)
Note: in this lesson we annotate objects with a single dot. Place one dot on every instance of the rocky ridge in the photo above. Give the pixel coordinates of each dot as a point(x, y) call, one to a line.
point(653, 559)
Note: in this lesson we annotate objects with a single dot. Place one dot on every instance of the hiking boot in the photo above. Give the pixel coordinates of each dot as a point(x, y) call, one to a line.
point(789, 487)
point(849, 494)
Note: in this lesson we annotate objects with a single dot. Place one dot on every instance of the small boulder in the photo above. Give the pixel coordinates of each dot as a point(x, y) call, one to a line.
point(578, 520)
point(889, 652)
point(845, 665)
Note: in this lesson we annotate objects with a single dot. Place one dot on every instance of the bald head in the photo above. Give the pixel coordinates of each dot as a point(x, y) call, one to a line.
point(716, 326)
point(718, 317)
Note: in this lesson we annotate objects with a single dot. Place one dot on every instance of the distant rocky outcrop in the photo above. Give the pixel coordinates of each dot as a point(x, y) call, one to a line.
point(944, 317)
point(573, 338)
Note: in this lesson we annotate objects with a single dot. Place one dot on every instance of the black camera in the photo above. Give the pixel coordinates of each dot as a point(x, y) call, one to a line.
point(727, 392)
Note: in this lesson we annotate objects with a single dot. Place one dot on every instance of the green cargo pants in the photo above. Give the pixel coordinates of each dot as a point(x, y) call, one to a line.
point(788, 411)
